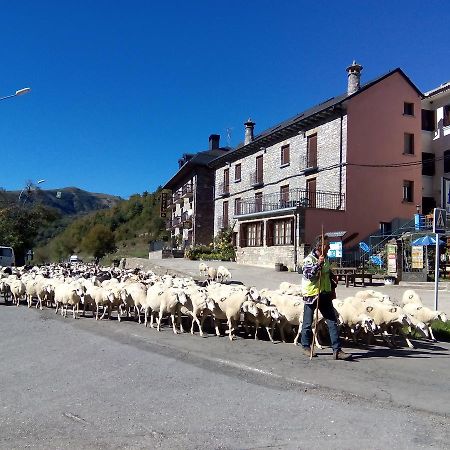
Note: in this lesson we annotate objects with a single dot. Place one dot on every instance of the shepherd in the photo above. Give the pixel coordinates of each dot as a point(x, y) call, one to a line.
point(318, 287)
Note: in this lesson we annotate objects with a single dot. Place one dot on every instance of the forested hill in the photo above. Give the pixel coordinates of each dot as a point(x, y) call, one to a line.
point(68, 201)
point(123, 230)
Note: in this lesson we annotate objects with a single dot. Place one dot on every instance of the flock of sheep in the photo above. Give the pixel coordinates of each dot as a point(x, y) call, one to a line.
point(148, 297)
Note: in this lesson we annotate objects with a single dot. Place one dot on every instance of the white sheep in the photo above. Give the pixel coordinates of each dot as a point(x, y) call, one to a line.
point(198, 302)
point(161, 299)
point(212, 273)
point(69, 294)
point(353, 319)
point(266, 316)
point(411, 296)
point(203, 269)
point(134, 295)
point(290, 288)
point(425, 315)
point(223, 274)
point(228, 305)
point(17, 288)
point(290, 308)
point(370, 293)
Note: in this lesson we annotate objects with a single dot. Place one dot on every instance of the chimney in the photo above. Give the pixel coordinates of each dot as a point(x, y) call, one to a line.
point(249, 125)
point(214, 141)
point(354, 77)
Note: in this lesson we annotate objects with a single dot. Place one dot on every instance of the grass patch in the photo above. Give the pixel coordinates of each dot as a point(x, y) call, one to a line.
point(441, 330)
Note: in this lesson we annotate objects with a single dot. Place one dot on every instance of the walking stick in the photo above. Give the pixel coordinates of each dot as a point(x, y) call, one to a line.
point(316, 319)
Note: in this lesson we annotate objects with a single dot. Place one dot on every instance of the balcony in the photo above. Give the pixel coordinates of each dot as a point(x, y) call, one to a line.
point(223, 189)
point(186, 220)
point(256, 178)
point(308, 163)
point(176, 221)
point(169, 224)
point(178, 197)
point(296, 198)
point(170, 203)
point(187, 190)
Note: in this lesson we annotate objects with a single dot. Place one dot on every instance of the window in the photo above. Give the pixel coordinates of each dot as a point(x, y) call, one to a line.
point(408, 141)
point(226, 181)
point(225, 215)
point(285, 155)
point(251, 234)
point(408, 109)
point(237, 172)
point(428, 167)
point(237, 206)
point(447, 161)
point(311, 192)
point(258, 202)
point(385, 228)
point(428, 204)
point(280, 232)
point(284, 195)
point(428, 120)
point(259, 170)
point(311, 151)
point(446, 121)
point(408, 191)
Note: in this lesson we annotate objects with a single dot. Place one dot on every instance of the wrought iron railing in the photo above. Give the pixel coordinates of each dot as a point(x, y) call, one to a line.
point(297, 198)
point(176, 221)
point(187, 189)
point(177, 195)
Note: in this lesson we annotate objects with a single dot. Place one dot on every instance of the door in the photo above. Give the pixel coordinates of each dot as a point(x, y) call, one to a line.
point(311, 192)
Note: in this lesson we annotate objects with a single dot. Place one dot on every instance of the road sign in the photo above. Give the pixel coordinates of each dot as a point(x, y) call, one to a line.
point(439, 220)
point(335, 250)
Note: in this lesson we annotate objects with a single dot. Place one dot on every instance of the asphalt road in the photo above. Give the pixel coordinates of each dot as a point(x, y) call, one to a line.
point(82, 384)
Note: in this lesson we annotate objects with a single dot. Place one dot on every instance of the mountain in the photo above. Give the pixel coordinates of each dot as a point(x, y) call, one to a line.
point(68, 201)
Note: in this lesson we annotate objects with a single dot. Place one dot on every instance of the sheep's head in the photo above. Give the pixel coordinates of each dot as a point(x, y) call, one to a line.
point(249, 307)
point(210, 304)
point(274, 313)
point(182, 298)
point(253, 293)
point(368, 324)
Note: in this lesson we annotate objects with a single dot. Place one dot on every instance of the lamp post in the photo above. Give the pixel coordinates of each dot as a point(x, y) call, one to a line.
point(17, 93)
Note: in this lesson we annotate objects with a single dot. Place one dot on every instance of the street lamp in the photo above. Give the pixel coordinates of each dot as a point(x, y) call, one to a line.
point(17, 93)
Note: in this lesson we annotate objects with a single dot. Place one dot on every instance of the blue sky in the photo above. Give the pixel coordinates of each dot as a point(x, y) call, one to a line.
point(121, 89)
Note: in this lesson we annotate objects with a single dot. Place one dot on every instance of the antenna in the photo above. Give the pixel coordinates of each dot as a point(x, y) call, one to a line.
point(229, 131)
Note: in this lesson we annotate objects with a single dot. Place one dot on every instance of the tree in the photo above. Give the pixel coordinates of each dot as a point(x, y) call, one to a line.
point(19, 227)
point(99, 241)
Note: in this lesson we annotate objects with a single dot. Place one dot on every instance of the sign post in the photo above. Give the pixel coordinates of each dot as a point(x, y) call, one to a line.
point(439, 221)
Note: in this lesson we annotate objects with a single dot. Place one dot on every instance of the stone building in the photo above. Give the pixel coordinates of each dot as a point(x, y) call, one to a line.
point(436, 148)
point(190, 201)
point(351, 164)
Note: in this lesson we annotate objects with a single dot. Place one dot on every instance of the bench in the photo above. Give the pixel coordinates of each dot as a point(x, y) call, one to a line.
point(350, 275)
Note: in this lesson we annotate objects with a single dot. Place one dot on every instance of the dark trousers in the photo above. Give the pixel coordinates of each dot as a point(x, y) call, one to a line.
point(327, 310)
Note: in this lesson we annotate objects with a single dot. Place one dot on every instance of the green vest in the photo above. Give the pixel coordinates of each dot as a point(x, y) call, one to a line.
point(311, 288)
